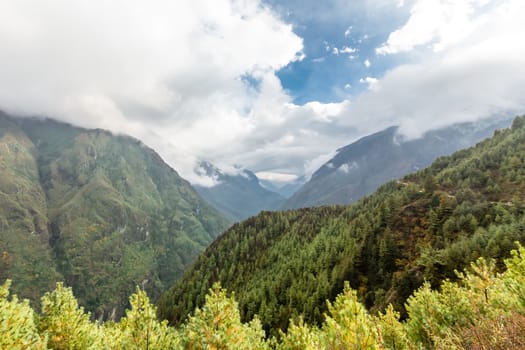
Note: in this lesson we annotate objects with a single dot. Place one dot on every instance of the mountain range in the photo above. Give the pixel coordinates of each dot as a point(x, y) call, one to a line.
point(361, 167)
point(356, 170)
point(424, 227)
point(238, 195)
point(105, 213)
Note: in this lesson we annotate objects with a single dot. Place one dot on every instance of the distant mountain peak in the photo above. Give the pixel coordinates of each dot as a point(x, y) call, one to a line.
point(218, 175)
point(236, 192)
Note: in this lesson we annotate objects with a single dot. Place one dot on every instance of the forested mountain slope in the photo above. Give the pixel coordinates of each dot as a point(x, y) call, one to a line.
point(285, 264)
point(103, 213)
point(358, 169)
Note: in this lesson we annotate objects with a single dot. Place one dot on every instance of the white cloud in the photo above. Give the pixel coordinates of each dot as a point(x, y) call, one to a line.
point(276, 177)
point(348, 167)
point(312, 165)
point(371, 81)
point(347, 49)
point(348, 31)
point(440, 23)
point(173, 74)
point(167, 72)
point(482, 77)
point(367, 63)
point(324, 111)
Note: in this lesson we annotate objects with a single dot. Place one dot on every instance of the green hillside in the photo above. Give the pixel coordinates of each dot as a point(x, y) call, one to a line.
point(423, 227)
point(104, 213)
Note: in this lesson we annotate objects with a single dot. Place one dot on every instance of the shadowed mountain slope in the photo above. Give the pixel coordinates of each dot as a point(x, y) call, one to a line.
point(361, 167)
point(238, 196)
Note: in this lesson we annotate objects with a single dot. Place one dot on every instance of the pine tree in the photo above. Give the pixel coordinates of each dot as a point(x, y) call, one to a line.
point(18, 330)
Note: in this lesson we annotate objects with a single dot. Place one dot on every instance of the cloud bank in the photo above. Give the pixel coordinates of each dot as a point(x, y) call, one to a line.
point(196, 79)
point(474, 69)
point(168, 72)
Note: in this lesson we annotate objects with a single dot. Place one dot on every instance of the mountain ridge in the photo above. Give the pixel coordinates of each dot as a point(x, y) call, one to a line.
point(361, 167)
point(105, 213)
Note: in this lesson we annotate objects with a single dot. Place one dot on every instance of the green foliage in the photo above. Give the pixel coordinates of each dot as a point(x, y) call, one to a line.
point(421, 228)
point(66, 323)
point(218, 326)
point(282, 266)
point(300, 336)
point(482, 310)
point(17, 325)
point(102, 213)
point(349, 326)
point(24, 251)
point(140, 329)
point(515, 277)
point(392, 333)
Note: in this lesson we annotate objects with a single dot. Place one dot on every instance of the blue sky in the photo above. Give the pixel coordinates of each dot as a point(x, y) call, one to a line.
point(275, 86)
point(328, 74)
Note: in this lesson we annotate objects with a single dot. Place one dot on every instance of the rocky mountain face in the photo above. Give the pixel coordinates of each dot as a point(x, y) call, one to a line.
point(103, 213)
point(237, 195)
point(361, 167)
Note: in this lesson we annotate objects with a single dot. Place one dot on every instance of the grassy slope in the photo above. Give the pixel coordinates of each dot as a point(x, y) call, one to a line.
point(24, 234)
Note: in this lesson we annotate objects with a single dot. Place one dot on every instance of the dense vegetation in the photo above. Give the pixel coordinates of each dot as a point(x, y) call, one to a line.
point(101, 212)
point(284, 265)
point(483, 310)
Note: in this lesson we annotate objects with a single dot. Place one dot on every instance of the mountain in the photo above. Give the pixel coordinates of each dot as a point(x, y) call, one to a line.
point(286, 190)
point(423, 227)
point(103, 213)
point(238, 195)
point(361, 167)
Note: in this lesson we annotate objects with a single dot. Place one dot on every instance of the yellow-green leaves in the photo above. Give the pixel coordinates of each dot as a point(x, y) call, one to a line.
point(218, 325)
point(300, 336)
point(17, 324)
point(140, 329)
point(349, 326)
point(482, 310)
point(66, 323)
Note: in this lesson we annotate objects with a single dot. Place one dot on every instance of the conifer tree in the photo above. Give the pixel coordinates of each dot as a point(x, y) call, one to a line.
point(218, 326)
point(18, 330)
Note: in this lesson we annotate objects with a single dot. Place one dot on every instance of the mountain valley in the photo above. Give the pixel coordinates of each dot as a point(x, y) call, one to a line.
point(423, 227)
point(238, 195)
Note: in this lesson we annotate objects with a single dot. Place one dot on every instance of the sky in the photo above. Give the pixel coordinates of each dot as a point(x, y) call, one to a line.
point(274, 86)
